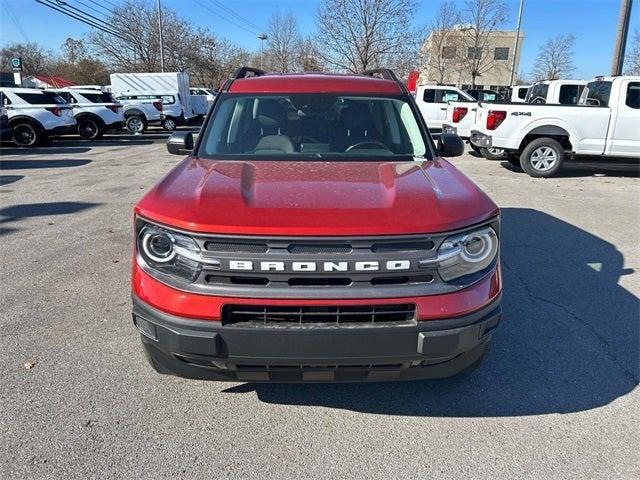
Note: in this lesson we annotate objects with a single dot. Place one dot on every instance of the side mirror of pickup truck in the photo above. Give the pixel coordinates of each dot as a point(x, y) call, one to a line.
point(450, 145)
point(180, 143)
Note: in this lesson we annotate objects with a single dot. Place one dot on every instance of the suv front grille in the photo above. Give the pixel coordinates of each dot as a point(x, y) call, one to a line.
point(287, 316)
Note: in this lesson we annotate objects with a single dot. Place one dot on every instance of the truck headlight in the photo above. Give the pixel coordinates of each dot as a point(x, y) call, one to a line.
point(467, 253)
point(169, 252)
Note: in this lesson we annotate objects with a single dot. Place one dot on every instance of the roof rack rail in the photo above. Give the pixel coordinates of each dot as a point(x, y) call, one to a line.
point(243, 71)
point(387, 74)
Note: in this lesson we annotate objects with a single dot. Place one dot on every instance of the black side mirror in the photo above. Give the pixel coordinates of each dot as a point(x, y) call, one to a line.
point(450, 145)
point(180, 143)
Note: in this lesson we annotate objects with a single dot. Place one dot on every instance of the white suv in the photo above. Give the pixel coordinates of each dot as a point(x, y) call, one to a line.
point(95, 111)
point(36, 115)
point(140, 109)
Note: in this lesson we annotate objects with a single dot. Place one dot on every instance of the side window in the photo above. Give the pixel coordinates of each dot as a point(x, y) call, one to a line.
point(448, 96)
point(633, 95)
point(429, 96)
point(522, 93)
point(569, 95)
point(5, 100)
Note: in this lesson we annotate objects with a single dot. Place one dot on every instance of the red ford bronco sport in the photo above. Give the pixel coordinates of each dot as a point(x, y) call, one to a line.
point(315, 233)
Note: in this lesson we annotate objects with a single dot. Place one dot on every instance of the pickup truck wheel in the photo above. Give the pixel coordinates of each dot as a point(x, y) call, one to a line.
point(168, 124)
point(26, 135)
point(493, 153)
point(136, 124)
point(542, 158)
point(89, 129)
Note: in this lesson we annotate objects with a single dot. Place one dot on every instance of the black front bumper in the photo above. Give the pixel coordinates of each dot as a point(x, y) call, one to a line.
point(211, 351)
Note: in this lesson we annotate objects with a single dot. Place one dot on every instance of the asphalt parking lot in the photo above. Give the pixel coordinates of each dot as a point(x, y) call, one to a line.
point(557, 396)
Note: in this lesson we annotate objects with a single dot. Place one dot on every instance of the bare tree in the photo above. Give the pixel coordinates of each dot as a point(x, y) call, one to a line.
point(633, 57)
point(308, 58)
point(283, 42)
point(480, 18)
point(36, 60)
point(555, 59)
point(356, 35)
point(443, 52)
point(77, 64)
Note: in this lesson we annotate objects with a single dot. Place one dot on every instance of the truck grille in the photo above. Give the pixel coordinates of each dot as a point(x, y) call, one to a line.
point(287, 316)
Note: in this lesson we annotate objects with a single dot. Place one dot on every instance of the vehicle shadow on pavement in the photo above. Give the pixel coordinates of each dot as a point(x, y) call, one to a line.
point(591, 167)
point(48, 163)
point(71, 149)
point(9, 179)
point(15, 213)
point(569, 339)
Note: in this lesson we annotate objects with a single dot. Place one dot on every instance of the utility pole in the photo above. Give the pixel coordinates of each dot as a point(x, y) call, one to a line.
point(515, 46)
point(160, 35)
point(621, 37)
point(262, 38)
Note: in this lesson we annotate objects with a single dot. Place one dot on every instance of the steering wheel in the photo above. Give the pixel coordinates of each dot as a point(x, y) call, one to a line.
point(367, 144)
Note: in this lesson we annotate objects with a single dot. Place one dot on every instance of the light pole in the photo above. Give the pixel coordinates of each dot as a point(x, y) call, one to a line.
point(262, 38)
point(621, 37)
point(515, 46)
point(160, 35)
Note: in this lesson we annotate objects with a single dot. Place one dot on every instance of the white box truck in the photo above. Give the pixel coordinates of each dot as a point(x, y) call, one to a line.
point(166, 83)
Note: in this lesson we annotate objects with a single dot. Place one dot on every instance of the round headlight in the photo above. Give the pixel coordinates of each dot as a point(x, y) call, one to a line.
point(158, 246)
point(477, 247)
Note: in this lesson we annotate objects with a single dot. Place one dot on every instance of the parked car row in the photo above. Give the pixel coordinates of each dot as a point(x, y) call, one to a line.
point(132, 101)
point(541, 134)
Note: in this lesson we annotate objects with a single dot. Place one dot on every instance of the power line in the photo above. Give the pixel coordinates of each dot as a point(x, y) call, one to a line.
point(63, 4)
point(82, 19)
point(109, 3)
point(251, 31)
point(231, 12)
point(97, 5)
point(15, 21)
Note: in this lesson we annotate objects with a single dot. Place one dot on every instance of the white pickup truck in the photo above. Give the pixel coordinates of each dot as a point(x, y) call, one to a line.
point(461, 116)
point(538, 137)
point(432, 102)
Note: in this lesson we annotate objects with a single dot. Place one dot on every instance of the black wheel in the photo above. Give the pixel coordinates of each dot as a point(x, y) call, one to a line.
point(493, 153)
point(90, 128)
point(168, 124)
point(136, 123)
point(543, 157)
point(26, 134)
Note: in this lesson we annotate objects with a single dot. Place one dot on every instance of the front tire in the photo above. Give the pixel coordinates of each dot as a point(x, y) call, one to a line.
point(90, 129)
point(26, 134)
point(493, 153)
point(136, 124)
point(168, 124)
point(543, 157)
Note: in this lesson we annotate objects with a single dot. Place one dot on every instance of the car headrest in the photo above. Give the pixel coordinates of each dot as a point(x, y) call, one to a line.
point(270, 113)
point(357, 116)
point(274, 144)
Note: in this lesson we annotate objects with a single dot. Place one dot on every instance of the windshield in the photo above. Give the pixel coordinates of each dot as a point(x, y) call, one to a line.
point(312, 126)
point(596, 93)
point(538, 93)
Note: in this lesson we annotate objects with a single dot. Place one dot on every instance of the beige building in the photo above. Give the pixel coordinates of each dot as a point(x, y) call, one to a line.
point(449, 57)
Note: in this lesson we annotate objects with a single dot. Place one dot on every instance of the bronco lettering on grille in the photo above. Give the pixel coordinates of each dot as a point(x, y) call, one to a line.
point(366, 266)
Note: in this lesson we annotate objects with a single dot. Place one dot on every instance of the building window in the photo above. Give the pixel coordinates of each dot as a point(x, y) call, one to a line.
point(501, 53)
point(448, 53)
point(474, 53)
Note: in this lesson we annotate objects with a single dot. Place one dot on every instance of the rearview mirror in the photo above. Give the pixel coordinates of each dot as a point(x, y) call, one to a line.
point(450, 145)
point(180, 143)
